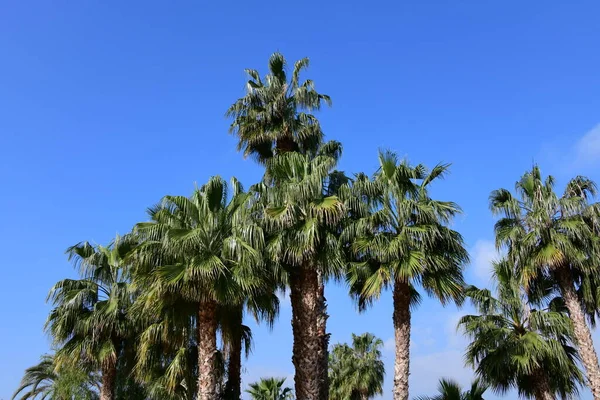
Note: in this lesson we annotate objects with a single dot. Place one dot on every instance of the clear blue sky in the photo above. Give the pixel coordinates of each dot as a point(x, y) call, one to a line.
point(107, 106)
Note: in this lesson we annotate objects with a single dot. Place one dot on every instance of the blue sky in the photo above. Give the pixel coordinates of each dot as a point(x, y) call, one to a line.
point(107, 106)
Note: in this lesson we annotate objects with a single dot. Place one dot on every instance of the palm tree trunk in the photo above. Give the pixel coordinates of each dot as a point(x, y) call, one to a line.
point(324, 340)
point(207, 350)
point(304, 296)
point(402, 339)
point(109, 378)
point(581, 332)
point(233, 387)
point(541, 385)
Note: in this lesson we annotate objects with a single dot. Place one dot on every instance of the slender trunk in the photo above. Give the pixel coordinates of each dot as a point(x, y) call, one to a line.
point(324, 340)
point(364, 396)
point(109, 377)
point(581, 331)
point(402, 339)
point(207, 350)
point(304, 295)
point(541, 384)
point(233, 387)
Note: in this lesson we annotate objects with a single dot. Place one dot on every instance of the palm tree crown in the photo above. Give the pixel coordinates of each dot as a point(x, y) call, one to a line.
point(357, 371)
point(270, 389)
point(46, 381)
point(451, 390)
point(274, 115)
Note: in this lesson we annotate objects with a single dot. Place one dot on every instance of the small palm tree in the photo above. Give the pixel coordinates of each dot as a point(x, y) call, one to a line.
point(554, 237)
point(274, 115)
point(357, 371)
point(514, 346)
point(451, 390)
point(270, 389)
point(90, 321)
point(46, 381)
point(400, 240)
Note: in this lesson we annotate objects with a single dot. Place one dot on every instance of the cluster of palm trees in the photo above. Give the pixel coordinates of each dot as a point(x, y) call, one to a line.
point(159, 313)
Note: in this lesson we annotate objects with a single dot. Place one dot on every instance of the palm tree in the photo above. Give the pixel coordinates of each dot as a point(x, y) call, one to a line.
point(300, 219)
point(556, 237)
point(451, 390)
point(357, 371)
point(270, 389)
point(202, 252)
point(274, 115)
point(514, 346)
point(46, 381)
point(273, 118)
point(90, 321)
point(400, 241)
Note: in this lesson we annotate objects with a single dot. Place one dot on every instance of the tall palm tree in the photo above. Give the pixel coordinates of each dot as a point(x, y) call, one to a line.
point(46, 381)
point(274, 118)
point(357, 371)
point(403, 241)
point(203, 251)
point(451, 390)
point(270, 389)
point(557, 237)
point(514, 346)
point(274, 115)
point(90, 320)
point(300, 219)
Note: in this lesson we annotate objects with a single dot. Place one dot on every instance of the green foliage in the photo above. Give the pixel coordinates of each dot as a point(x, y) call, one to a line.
point(516, 347)
point(90, 321)
point(356, 372)
point(197, 249)
point(299, 216)
point(451, 390)
point(270, 389)
point(275, 114)
point(401, 233)
point(543, 232)
point(46, 381)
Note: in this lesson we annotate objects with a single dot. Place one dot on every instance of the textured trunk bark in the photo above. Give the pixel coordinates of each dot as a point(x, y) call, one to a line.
point(109, 377)
point(233, 387)
point(589, 359)
point(542, 386)
point(402, 339)
point(207, 351)
point(323, 340)
point(304, 295)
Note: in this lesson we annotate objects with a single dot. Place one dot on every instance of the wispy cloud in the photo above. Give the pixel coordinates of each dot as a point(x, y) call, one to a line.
point(586, 151)
point(482, 255)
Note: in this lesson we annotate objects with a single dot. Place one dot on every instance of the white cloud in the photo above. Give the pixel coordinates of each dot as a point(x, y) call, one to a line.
point(586, 151)
point(427, 369)
point(389, 345)
point(482, 255)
